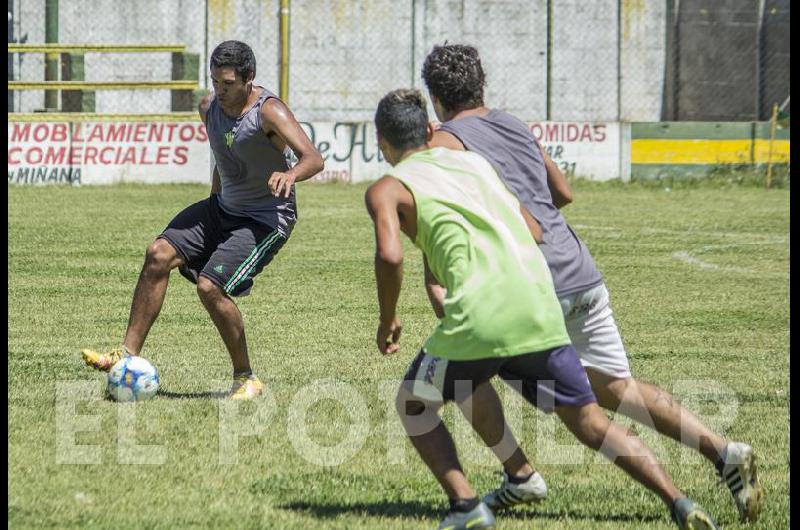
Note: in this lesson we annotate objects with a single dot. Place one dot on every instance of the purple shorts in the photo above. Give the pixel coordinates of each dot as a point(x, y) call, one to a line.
point(546, 379)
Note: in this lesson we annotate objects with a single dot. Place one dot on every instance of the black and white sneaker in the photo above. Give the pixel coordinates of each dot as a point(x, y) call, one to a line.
point(740, 475)
point(510, 494)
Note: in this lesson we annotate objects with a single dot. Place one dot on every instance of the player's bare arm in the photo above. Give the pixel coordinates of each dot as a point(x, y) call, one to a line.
point(279, 124)
point(560, 189)
point(533, 225)
point(216, 185)
point(390, 205)
point(436, 292)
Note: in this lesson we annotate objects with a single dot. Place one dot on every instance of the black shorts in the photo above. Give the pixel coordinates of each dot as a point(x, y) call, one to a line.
point(228, 250)
point(547, 379)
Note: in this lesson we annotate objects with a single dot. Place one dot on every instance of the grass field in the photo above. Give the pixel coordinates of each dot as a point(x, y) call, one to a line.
point(699, 282)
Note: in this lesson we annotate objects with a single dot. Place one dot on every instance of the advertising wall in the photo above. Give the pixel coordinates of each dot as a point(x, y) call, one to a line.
point(107, 152)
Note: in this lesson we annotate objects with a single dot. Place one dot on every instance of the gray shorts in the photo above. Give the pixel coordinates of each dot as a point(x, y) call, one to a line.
point(227, 249)
point(594, 333)
point(547, 379)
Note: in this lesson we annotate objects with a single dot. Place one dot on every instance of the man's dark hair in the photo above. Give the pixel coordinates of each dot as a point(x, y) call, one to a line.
point(454, 75)
point(237, 55)
point(402, 118)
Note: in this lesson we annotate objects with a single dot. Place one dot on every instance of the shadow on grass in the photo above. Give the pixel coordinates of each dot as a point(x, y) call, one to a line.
point(412, 509)
point(416, 510)
point(192, 395)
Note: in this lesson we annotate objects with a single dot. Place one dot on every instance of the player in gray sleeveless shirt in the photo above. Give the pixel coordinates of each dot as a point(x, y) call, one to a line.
point(222, 242)
point(455, 80)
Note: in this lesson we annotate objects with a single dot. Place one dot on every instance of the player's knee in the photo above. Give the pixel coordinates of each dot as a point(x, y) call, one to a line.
point(207, 289)
point(616, 391)
point(160, 256)
point(594, 430)
point(610, 391)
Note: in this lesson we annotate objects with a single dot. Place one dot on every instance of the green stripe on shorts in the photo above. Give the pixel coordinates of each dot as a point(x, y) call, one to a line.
point(251, 262)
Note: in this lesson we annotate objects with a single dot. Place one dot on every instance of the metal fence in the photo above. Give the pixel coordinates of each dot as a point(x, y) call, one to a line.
point(559, 60)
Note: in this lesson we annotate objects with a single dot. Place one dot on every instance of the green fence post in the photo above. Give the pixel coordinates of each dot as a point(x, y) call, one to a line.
point(185, 67)
point(72, 69)
point(51, 59)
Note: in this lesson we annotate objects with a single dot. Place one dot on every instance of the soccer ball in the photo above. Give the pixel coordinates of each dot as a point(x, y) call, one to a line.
point(132, 378)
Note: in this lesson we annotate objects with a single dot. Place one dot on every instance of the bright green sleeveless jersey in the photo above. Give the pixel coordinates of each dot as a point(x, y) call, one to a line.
point(500, 295)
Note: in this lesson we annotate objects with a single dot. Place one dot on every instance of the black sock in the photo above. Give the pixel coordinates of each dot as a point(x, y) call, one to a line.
point(720, 463)
point(463, 505)
point(520, 480)
point(672, 512)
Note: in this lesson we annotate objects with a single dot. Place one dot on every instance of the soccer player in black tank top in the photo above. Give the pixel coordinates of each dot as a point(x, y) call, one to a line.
point(222, 245)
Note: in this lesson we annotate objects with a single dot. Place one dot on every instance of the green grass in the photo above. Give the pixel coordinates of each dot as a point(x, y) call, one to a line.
point(699, 284)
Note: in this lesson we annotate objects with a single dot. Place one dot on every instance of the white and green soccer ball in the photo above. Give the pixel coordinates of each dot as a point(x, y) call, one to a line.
point(132, 378)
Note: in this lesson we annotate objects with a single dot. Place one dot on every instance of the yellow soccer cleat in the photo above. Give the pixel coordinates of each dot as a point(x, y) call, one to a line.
point(246, 387)
point(102, 361)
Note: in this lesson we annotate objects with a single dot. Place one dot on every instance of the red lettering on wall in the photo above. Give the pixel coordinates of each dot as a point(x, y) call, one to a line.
point(181, 155)
point(91, 155)
point(12, 151)
point(143, 159)
point(107, 160)
point(75, 155)
point(60, 132)
point(41, 132)
point(34, 155)
point(55, 156)
point(162, 155)
point(551, 132)
point(116, 132)
point(186, 133)
point(600, 133)
point(140, 132)
point(129, 157)
point(20, 132)
point(156, 132)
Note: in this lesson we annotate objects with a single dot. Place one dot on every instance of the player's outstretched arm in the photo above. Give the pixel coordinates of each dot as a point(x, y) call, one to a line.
point(381, 200)
point(278, 123)
point(560, 189)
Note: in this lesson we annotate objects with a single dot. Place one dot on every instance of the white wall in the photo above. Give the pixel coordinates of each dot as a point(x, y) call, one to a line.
point(346, 54)
point(584, 60)
point(642, 31)
point(511, 37)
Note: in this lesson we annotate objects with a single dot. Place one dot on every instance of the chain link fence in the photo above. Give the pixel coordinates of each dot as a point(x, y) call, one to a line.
point(105, 22)
point(557, 60)
point(727, 61)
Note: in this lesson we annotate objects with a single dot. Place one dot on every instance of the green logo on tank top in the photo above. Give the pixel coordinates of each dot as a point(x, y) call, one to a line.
point(229, 138)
